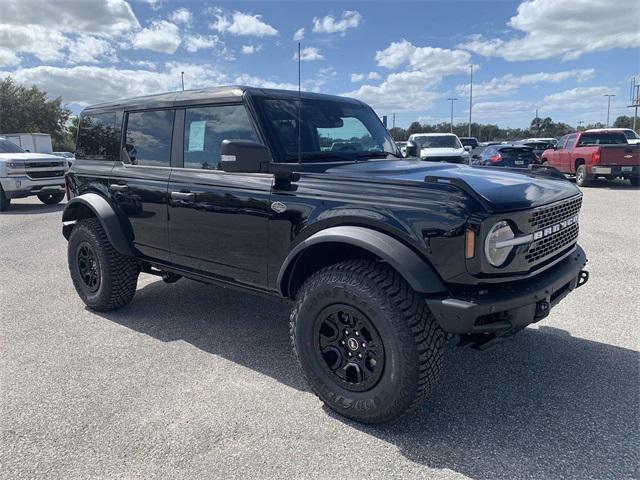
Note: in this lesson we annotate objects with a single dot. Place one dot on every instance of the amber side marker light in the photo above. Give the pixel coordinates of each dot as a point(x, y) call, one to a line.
point(470, 243)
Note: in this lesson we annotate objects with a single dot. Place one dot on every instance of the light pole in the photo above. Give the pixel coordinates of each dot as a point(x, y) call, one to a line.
point(182, 78)
point(470, 97)
point(608, 95)
point(452, 99)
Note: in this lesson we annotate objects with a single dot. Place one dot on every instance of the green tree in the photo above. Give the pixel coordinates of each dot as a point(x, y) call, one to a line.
point(25, 109)
point(623, 121)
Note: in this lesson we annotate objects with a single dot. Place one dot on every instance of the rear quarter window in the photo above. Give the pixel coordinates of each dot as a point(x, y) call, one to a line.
point(98, 137)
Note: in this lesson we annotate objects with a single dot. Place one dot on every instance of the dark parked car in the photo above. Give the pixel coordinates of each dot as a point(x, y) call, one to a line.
point(470, 142)
point(382, 258)
point(515, 156)
point(538, 146)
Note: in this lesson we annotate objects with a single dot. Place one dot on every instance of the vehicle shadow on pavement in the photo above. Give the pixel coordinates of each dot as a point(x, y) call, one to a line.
point(32, 209)
point(602, 183)
point(542, 404)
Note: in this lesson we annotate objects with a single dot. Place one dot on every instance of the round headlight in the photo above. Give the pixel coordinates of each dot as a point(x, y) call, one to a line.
point(497, 254)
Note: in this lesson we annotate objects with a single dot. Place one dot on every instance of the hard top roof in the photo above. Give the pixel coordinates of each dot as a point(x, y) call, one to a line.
point(227, 94)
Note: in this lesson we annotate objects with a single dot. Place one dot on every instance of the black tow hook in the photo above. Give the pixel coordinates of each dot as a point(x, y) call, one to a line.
point(583, 277)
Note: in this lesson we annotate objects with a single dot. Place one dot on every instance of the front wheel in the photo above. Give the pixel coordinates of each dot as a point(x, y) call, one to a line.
point(635, 181)
point(104, 279)
point(582, 177)
point(367, 344)
point(51, 198)
point(4, 201)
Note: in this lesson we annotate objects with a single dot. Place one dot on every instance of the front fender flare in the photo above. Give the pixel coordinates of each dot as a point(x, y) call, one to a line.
point(416, 271)
point(104, 212)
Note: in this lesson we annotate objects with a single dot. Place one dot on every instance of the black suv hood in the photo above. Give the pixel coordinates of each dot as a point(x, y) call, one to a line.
point(498, 189)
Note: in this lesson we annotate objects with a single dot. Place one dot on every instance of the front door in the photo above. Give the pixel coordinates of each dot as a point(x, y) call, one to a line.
point(218, 220)
point(139, 182)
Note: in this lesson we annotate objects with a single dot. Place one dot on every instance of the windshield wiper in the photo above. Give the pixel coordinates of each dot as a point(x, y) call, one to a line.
point(376, 154)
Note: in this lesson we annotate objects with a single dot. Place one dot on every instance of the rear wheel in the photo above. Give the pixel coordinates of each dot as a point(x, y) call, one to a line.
point(635, 181)
point(367, 344)
point(4, 201)
point(582, 177)
point(104, 279)
point(51, 198)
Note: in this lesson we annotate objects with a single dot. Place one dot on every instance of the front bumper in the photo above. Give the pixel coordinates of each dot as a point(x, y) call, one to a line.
point(625, 171)
point(23, 186)
point(510, 307)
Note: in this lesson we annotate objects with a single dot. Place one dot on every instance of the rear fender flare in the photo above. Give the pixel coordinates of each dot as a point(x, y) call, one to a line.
point(412, 267)
point(104, 212)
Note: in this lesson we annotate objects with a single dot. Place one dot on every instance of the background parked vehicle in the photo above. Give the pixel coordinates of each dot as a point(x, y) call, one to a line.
point(538, 146)
point(68, 156)
point(440, 147)
point(514, 156)
point(595, 153)
point(469, 143)
point(31, 142)
point(403, 148)
point(23, 174)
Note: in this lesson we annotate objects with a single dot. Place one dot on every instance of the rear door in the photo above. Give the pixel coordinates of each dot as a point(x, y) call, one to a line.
point(140, 180)
point(218, 220)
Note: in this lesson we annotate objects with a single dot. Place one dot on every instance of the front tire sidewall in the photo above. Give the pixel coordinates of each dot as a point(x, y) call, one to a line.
point(371, 405)
point(4, 201)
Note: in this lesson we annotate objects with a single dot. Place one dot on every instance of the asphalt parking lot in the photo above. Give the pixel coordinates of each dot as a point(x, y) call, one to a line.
point(194, 381)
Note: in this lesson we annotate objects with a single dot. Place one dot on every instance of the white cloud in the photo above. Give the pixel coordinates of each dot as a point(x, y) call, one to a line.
point(552, 28)
point(309, 54)
point(580, 95)
point(182, 15)
point(404, 91)
point(510, 83)
point(243, 24)
point(50, 31)
point(193, 43)
point(436, 61)
point(85, 85)
point(328, 24)
point(298, 36)
point(251, 49)
point(359, 77)
point(252, 81)
point(88, 49)
point(160, 36)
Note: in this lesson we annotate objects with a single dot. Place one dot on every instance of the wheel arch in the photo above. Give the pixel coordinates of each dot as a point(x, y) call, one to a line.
point(336, 244)
point(578, 162)
point(92, 205)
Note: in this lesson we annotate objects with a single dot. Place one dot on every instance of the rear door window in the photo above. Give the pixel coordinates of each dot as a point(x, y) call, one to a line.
point(148, 138)
point(206, 127)
point(98, 137)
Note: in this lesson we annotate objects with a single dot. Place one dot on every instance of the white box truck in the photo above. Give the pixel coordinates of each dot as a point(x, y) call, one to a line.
point(31, 142)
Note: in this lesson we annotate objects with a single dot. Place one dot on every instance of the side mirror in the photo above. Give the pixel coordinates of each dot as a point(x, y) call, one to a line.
point(468, 148)
point(411, 149)
point(244, 156)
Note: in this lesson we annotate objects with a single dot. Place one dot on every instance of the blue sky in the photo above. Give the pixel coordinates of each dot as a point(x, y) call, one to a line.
point(405, 58)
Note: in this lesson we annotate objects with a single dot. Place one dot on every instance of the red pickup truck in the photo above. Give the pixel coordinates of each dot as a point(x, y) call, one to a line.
point(595, 153)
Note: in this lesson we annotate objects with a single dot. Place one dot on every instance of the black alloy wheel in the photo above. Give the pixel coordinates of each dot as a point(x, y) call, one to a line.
point(349, 347)
point(88, 266)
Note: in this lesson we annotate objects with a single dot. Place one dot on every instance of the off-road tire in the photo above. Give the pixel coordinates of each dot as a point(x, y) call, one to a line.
point(51, 198)
point(413, 341)
point(635, 181)
point(118, 274)
point(583, 179)
point(4, 201)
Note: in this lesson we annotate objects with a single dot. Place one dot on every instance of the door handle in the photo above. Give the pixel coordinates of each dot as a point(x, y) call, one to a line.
point(184, 196)
point(118, 187)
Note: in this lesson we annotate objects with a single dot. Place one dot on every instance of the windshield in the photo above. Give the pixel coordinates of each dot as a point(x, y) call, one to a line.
point(602, 139)
point(438, 141)
point(631, 135)
point(469, 142)
point(9, 147)
point(328, 130)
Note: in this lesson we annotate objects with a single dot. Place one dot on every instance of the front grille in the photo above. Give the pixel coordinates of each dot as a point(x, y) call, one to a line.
point(49, 174)
point(43, 164)
point(553, 243)
point(554, 214)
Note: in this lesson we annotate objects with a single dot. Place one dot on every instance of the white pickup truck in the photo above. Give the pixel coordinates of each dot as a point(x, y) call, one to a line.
point(23, 174)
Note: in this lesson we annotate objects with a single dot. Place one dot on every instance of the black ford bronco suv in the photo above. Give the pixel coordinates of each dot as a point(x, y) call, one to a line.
point(305, 197)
